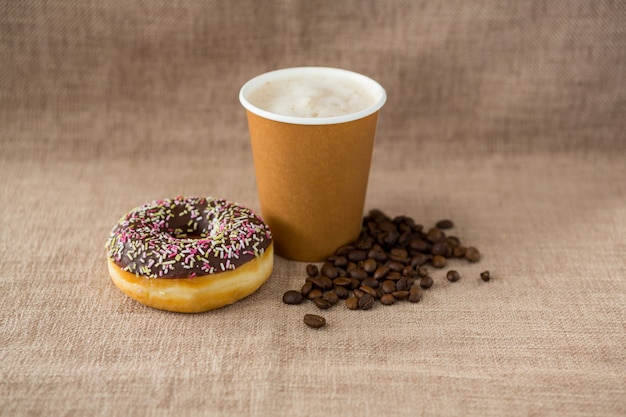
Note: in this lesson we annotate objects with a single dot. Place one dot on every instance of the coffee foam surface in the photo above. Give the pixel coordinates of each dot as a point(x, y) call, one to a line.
point(312, 95)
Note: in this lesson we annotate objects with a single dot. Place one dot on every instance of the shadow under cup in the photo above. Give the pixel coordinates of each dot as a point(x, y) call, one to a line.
point(312, 172)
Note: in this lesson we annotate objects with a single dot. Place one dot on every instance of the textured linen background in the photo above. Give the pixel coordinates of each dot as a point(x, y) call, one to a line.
point(508, 117)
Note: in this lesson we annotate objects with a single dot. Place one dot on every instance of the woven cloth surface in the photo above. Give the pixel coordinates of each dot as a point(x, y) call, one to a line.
point(507, 117)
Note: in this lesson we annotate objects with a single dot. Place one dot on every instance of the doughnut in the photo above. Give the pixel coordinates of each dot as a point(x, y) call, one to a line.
point(189, 254)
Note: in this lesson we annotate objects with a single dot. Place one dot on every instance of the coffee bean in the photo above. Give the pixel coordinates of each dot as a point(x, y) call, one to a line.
point(426, 282)
point(314, 293)
point(312, 270)
point(453, 276)
point(395, 266)
point(331, 297)
point(377, 253)
point(459, 251)
point(485, 276)
point(357, 255)
point(409, 271)
point(394, 275)
point(318, 283)
point(402, 285)
point(326, 282)
point(341, 262)
point(445, 224)
point(439, 261)
point(415, 294)
point(370, 265)
point(371, 282)
point(344, 250)
point(306, 288)
point(399, 255)
point(341, 282)
point(358, 293)
point(322, 303)
point(439, 248)
point(352, 303)
point(329, 270)
point(368, 290)
point(292, 297)
point(381, 272)
point(400, 295)
point(388, 286)
point(366, 302)
point(420, 245)
point(342, 292)
point(419, 259)
point(422, 271)
point(387, 299)
point(434, 235)
point(472, 254)
point(314, 321)
point(358, 273)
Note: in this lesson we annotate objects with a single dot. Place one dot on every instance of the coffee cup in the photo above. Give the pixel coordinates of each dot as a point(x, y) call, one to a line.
point(312, 133)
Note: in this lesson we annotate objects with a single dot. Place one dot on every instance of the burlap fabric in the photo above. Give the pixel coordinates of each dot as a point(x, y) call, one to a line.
point(508, 117)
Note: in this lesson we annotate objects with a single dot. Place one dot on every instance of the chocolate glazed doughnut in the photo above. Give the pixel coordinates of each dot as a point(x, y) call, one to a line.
point(190, 254)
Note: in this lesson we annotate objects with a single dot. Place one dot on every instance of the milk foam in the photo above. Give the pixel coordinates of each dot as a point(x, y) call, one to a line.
point(312, 95)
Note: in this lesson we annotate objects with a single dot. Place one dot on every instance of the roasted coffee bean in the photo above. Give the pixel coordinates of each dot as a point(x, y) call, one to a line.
point(352, 303)
point(389, 238)
point(368, 290)
point(402, 285)
point(394, 275)
point(445, 224)
point(420, 245)
point(371, 282)
point(318, 283)
point(354, 283)
point(408, 271)
point(366, 302)
point(357, 255)
point(377, 253)
point(426, 282)
point(314, 321)
point(438, 248)
point(365, 243)
point(292, 297)
point(358, 273)
point(453, 241)
point(415, 294)
point(314, 293)
point(422, 271)
point(344, 250)
point(342, 282)
point(485, 276)
point(459, 251)
point(419, 259)
point(322, 303)
point(357, 293)
point(439, 261)
point(306, 288)
point(341, 262)
point(381, 272)
point(399, 255)
point(395, 266)
point(312, 270)
point(341, 272)
point(434, 235)
point(388, 286)
point(387, 299)
point(379, 293)
point(326, 282)
point(350, 267)
point(387, 226)
point(370, 265)
point(472, 254)
point(342, 292)
point(400, 295)
point(329, 270)
point(331, 297)
point(453, 276)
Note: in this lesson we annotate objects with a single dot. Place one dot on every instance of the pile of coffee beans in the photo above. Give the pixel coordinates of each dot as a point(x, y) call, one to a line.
point(391, 261)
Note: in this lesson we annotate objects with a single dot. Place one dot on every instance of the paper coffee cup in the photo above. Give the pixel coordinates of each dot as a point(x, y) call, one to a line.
point(312, 171)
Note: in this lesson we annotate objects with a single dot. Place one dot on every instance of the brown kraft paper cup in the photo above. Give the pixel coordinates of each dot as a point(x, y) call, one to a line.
point(312, 181)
